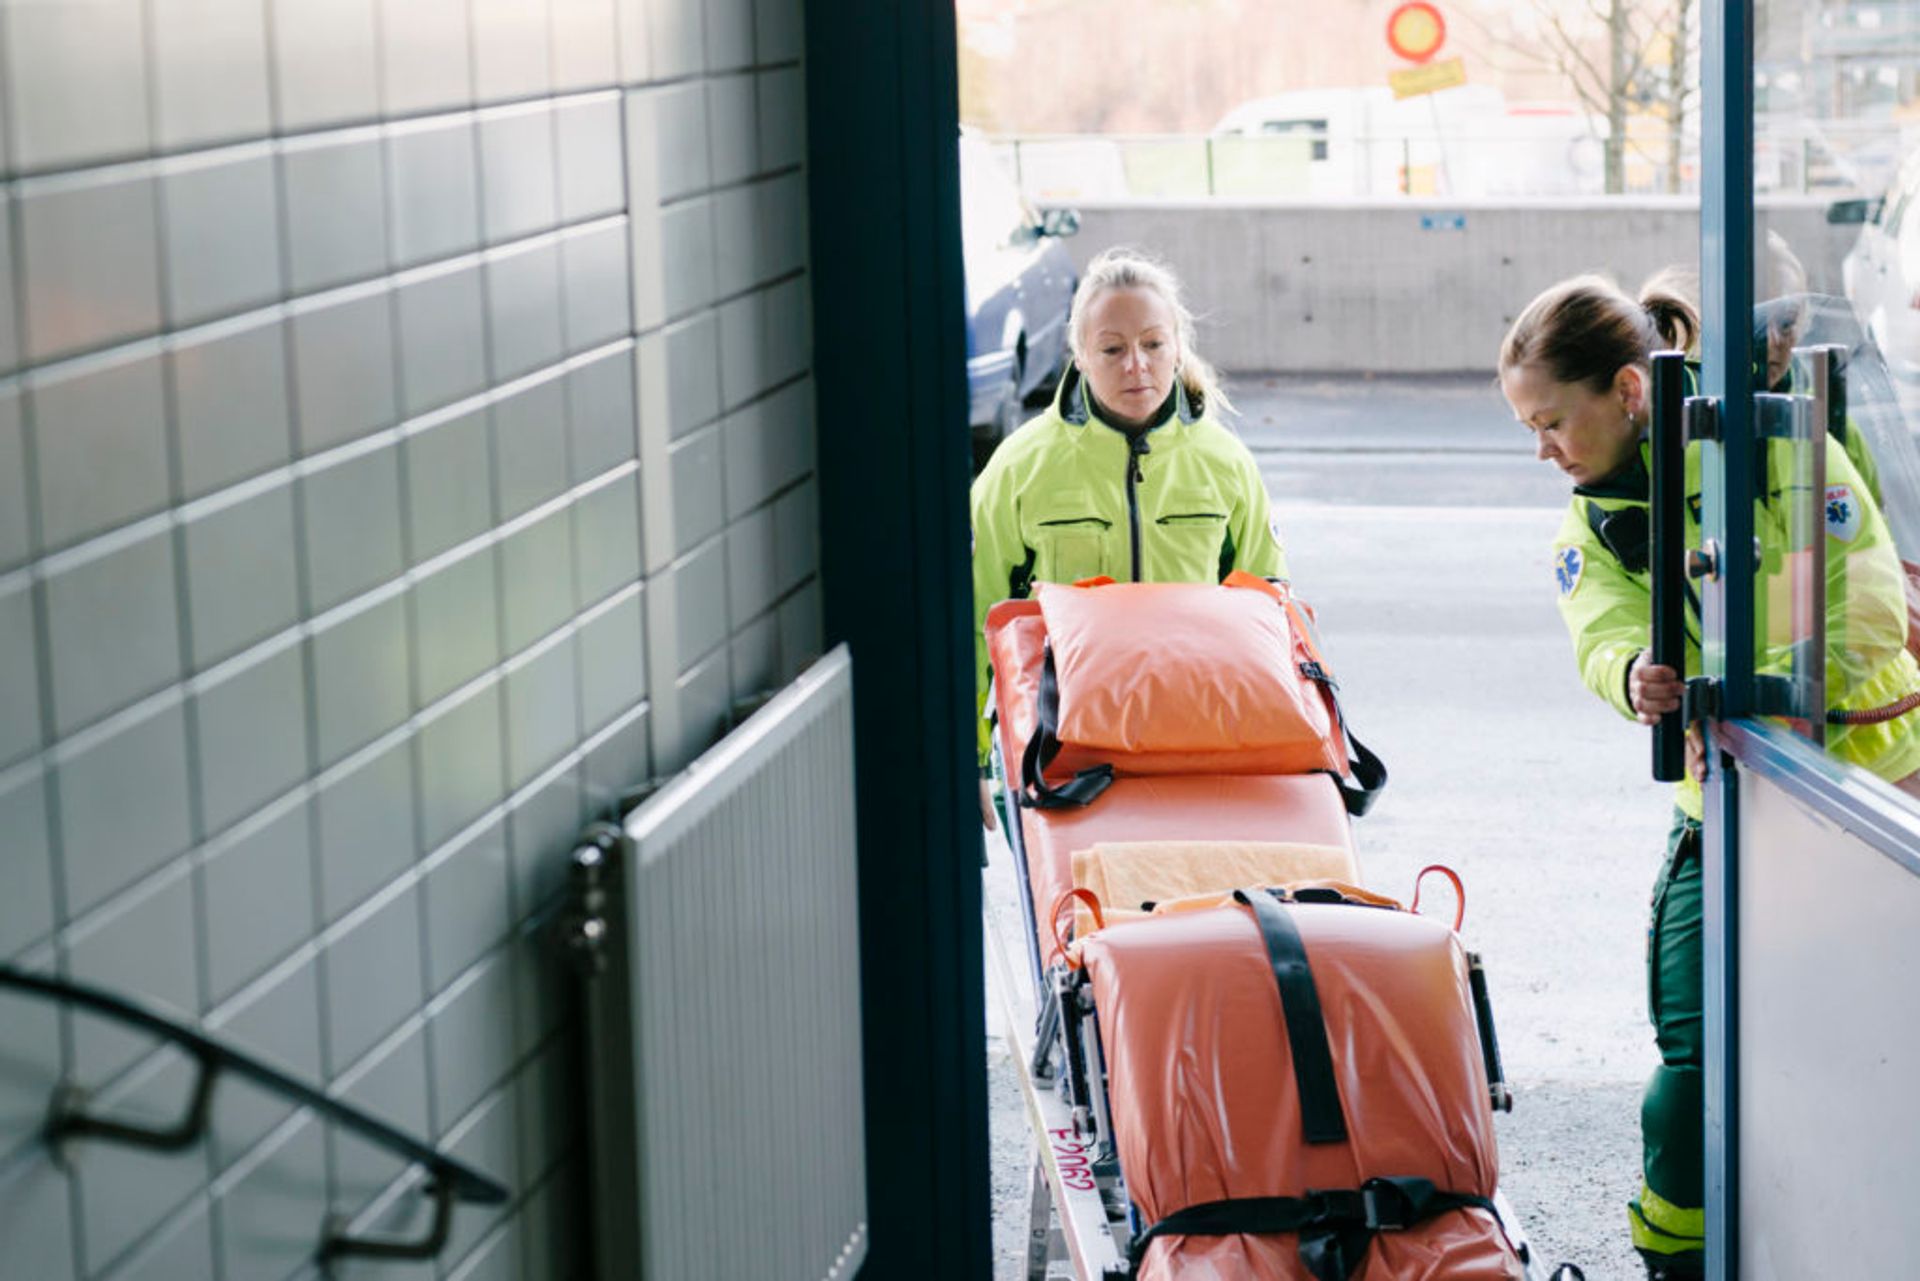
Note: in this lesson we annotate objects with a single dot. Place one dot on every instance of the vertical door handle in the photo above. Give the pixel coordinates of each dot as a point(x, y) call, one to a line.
point(1669, 550)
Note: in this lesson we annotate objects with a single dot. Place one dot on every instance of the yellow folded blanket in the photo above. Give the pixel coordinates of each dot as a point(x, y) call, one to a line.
point(1124, 875)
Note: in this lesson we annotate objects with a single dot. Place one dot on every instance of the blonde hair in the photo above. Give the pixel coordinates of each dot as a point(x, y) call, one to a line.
point(1584, 330)
point(1122, 268)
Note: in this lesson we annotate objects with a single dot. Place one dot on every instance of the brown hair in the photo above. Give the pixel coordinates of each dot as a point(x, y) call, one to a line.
point(1584, 330)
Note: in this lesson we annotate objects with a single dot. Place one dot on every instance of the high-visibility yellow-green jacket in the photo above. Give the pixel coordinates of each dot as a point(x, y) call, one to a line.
point(1607, 607)
point(1068, 497)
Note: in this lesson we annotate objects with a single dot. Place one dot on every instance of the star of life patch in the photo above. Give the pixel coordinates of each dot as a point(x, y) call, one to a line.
point(1843, 513)
point(1568, 564)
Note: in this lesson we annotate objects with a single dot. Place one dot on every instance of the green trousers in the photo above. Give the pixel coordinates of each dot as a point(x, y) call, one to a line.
point(1668, 1218)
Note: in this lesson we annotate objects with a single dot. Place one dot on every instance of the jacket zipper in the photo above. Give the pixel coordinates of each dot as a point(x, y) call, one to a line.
point(1136, 446)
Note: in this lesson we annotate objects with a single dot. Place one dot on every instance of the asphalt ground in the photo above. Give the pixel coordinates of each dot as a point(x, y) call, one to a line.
point(1420, 527)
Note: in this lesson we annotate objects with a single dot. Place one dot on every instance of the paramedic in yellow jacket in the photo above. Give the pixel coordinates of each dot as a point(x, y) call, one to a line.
point(1130, 472)
point(1575, 367)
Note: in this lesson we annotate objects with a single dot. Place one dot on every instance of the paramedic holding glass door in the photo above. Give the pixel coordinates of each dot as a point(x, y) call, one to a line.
point(1130, 473)
point(1576, 368)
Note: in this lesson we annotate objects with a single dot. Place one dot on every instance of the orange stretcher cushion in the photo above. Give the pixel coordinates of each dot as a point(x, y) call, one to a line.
point(1305, 808)
point(1201, 1084)
point(1162, 678)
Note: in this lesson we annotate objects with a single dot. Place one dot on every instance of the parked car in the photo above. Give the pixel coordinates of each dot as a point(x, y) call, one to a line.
point(1882, 270)
point(1020, 282)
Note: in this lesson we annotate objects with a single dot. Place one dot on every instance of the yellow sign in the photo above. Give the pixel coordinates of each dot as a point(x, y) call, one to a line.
point(1414, 81)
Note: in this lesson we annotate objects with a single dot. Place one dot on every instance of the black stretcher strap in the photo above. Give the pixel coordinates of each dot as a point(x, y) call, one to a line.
point(1335, 1227)
point(1044, 745)
point(1321, 1120)
point(1367, 772)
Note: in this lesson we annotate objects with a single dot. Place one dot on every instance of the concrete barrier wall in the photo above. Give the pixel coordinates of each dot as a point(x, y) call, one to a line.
point(1409, 287)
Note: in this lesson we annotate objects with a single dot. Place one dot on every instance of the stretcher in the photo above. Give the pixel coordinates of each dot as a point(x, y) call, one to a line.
point(1155, 1049)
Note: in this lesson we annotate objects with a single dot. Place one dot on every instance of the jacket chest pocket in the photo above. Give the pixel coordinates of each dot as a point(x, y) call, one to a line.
point(1069, 542)
point(1189, 546)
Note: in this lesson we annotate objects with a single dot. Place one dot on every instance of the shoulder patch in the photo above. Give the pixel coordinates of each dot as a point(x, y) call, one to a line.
point(1569, 563)
point(1843, 513)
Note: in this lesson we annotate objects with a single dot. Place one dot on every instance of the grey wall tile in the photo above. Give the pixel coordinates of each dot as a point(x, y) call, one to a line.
point(619, 759)
point(729, 34)
point(542, 826)
point(242, 578)
point(435, 188)
point(20, 672)
point(360, 661)
point(587, 145)
point(484, 1139)
point(600, 413)
point(688, 255)
point(460, 766)
point(769, 445)
point(34, 1063)
point(141, 943)
point(112, 630)
point(472, 1043)
point(424, 56)
point(351, 508)
point(101, 442)
point(257, 884)
point(336, 208)
point(704, 693)
point(15, 536)
point(455, 622)
point(372, 962)
point(700, 591)
point(740, 257)
point(180, 1247)
point(752, 566)
point(122, 797)
point(693, 373)
point(251, 715)
point(777, 32)
point(780, 224)
point(684, 156)
point(699, 494)
point(511, 42)
point(789, 330)
point(635, 61)
point(366, 824)
point(530, 445)
point(90, 254)
point(443, 355)
point(755, 657)
point(267, 1206)
point(126, 1193)
point(495, 1258)
point(607, 534)
point(523, 308)
point(733, 126)
point(675, 37)
point(230, 402)
point(77, 82)
point(468, 906)
point(782, 118)
point(222, 232)
point(391, 1083)
point(593, 262)
point(743, 355)
point(536, 577)
point(343, 366)
point(796, 534)
point(323, 62)
point(9, 333)
point(518, 177)
point(585, 44)
point(26, 868)
point(613, 660)
point(543, 720)
point(210, 71)
point(279, 1020)
point(449, 480)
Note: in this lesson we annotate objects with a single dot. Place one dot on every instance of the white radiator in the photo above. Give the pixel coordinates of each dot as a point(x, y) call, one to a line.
point(726, 1128)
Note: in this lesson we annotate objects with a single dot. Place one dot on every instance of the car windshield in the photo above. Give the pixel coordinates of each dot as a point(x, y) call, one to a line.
point(991, 210)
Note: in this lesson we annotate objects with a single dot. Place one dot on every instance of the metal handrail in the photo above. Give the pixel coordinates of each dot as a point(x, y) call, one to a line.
point(452, 1180)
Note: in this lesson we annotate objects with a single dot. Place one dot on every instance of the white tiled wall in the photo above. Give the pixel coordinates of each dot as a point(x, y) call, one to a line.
point(406, 444)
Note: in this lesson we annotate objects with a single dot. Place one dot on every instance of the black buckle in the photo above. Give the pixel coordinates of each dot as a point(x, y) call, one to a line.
point(1388, 1206)
point(1314, 672)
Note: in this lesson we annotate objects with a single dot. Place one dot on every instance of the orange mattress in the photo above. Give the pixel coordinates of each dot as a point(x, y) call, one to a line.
point(1201, 1085)
point(1305, 808)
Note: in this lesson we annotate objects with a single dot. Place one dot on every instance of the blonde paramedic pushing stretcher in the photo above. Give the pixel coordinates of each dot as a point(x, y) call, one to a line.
point(1130, 472)
point(1576, 369)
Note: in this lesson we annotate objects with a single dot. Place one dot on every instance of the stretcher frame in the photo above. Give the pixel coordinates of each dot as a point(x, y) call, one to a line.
point(1078, 1211)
